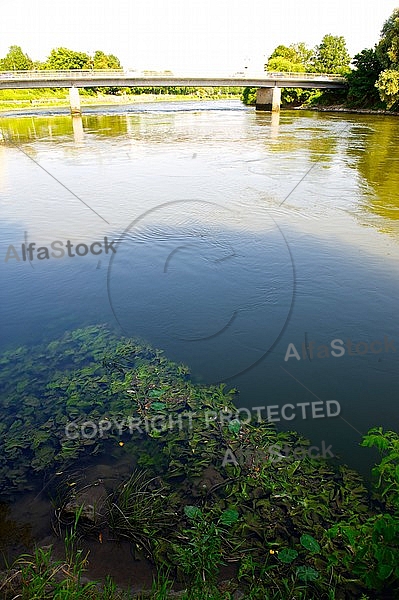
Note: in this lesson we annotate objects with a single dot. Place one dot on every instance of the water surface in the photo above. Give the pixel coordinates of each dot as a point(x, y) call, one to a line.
point(236, 235)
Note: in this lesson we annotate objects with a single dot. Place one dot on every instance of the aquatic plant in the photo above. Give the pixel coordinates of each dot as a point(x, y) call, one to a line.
point(306, 527)
point(371, 548)
point(138, 511)
point(199, 553)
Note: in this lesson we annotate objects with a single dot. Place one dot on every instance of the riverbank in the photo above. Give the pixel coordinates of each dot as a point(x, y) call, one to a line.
point(106, 100)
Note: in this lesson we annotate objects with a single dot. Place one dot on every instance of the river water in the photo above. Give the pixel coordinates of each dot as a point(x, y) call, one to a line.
point(235, 235)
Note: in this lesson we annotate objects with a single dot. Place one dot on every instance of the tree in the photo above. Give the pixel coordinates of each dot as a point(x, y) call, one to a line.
point(305, 55)
point(283, 65)
point(296, 58)
point(16, 60)
point(105, 61)
point(63, 59)
point(332, 55)
point(388, 54)
point(362, 80)
point(388, 47)
point(388, 87)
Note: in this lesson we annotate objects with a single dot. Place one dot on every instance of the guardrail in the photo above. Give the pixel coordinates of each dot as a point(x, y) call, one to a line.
point(122, 74)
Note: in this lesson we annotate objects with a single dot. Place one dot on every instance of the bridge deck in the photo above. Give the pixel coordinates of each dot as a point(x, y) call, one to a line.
point(120, 78)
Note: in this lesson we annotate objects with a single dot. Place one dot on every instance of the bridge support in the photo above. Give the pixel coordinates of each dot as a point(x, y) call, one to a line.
point(268, 99)
point(74, 101)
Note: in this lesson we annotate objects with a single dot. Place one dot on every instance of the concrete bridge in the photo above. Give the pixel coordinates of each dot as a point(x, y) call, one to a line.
point(268, 84)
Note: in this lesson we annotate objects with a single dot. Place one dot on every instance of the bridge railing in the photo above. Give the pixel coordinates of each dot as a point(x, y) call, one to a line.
point(123, 74)
point(329, 76)
point(58, 74)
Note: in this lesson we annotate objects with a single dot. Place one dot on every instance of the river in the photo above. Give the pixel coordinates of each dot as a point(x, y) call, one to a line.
point(243, 246)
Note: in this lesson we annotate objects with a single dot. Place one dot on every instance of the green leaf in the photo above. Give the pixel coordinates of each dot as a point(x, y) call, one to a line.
point(310, 543)
point(384, 571)
point(155, 393)
point(234, 426)
point(158, 405)
point(229, 516)
point(192, 512)
point(287, 555)
point(307, 574)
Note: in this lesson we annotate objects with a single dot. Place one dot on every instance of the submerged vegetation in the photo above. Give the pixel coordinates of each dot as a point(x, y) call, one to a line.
point(307, 528)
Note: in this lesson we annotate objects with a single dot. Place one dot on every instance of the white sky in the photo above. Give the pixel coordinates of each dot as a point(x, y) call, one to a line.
point(187, 35)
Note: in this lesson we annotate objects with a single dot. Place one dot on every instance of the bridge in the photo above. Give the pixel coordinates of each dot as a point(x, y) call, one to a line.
point(268, 84)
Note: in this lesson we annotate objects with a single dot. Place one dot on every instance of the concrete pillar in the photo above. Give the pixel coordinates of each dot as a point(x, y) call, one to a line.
point(74, 101)
point(268, 99)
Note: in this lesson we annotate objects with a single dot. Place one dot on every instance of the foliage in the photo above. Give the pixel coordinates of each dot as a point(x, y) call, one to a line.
point(388, 87)
point(386, 472)
point(388, 54)
point(138, 511)
point(362, 80)
point(298, 55)
point(249, 96)
point(280, 64)
point(200, 555)
point(332, 55)
point(15, 60)
point(63, 59)
point(183, 504)
point(296, 58)
point(373, 546)
point(105, 61)
point(388, 46)
point(40, 577)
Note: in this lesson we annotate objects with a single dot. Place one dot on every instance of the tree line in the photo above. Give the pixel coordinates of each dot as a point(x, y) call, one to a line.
point(372, 75)
point(58, 59)
point(374, 81)
point(64, 59)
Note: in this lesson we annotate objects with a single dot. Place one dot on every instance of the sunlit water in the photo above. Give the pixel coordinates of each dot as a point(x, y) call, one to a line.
point(236, 234)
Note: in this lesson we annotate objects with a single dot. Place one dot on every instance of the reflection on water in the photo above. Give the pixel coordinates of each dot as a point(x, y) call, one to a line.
point(77, 124)
point(376, 156)
point(296, 201)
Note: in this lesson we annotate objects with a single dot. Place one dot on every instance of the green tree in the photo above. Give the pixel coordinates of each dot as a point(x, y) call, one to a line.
point(16, 60)
point(105, 61)
point(284, 65)
point(388, 54)
point(362, 80)
point(305, 55)
point(62, 59)
point(295, 58)
point(332, 55)
point(388, 87)
point(388, 47)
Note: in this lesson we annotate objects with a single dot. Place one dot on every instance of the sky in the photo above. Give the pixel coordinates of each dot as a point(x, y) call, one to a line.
point(187, 36)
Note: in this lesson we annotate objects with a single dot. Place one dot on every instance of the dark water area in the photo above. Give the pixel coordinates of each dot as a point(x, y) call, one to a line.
point(235, 235)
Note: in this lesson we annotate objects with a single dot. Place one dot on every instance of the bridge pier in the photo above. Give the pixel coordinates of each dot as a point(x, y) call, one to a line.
point(268, 99)
point(74, 101)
